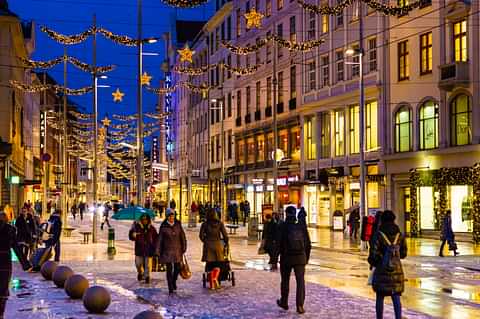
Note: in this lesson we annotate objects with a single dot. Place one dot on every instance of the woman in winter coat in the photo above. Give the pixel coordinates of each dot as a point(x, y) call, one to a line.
point(448, 234)
point(171, 246)
point(385, 253)
point(145, 237)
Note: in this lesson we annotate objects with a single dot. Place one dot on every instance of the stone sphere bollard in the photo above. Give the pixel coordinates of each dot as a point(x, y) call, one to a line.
point(96, 299)
point(61, 274)
point(48, 268)
point(148, 314)
point(75, 286)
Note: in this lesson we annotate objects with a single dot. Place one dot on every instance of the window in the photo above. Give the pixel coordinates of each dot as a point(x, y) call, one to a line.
point(371, 130)
point(279, 4)
point(311, 25)
point(247, 9)
point(280, 87)
point(402, 3)
point(269, 48)
point(260, 148)
point(403, 61)
point(461, 120)
point(356, 59)
point(355, 8)
point(248, 100)
point(239, 23)
point(428, 126)
point(403, 130)
point(325, 135)
point(325, 70)
point(257, 53)
point(239, 103)
point(372, 54)
point(212, 47)
point(340, 65)
point(229, 104)
point(212, 114)
point(311, 74)
point(293, 82)
point(280, 35)
point(460, 41)
point(354, 123)
point(339, 16)
point(325, 23)
point(247, 60)
point(238, 63)
point(309, 139)
point(229, 144)
point(212, 149)
point(339, 133)
point(294, 144)
point(229, 62)
point(251, 150)
point(268, 8)
point(257, 96)
point(218, 150)
point(293, 29)
point(269, 92)
point(229, 28)
point(283, 141)
point(241, 152)
point(426, 53)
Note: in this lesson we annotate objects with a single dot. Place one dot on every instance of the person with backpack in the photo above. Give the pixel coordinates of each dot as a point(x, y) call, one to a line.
point(448, 235)
point(55, 231)
point(386, 252)
point(294, 249)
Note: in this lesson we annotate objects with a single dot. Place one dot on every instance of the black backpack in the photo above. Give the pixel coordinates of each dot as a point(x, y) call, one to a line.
point(295, 239)
point(391, 255)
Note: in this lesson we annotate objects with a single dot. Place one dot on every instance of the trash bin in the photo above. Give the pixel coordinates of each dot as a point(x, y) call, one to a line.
point(111, 242)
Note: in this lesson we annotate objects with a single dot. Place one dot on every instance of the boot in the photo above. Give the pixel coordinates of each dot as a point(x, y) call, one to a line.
point(214, 274)
point(210, 280)
point(456, 253)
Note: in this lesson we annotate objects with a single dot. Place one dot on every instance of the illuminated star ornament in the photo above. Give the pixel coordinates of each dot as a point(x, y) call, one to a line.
point(106, 121)
point(254, 19)
point(186, 54)
point(145, 79)
point(118, 96)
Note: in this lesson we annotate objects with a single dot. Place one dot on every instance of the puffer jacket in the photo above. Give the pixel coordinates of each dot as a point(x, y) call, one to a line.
point(387, 282)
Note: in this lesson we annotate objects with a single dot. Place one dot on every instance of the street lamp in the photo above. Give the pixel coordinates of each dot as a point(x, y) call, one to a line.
point(222, 158)
point(358, 53)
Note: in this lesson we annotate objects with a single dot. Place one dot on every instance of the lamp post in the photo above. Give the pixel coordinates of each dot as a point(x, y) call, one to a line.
point(222, 157)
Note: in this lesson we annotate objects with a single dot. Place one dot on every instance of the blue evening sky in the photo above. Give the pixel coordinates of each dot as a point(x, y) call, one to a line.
point(120, 17)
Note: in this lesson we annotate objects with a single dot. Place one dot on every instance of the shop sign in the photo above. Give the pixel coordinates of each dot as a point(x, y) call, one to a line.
point(355, 185)
point(294, 178)
point(282, 181)
point(259, 188)
point(250, 188)
point(269, 188)
point(257, 181)
point(14, 179)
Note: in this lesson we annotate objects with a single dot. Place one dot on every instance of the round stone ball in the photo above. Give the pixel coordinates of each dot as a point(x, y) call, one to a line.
point(48, 268)
point(75, 286)
point(61, 274)
point(96, 299)
point(148, 314)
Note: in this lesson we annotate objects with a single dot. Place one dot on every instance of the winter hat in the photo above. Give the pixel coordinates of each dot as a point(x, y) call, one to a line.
point(291, 211)
point(169, 212)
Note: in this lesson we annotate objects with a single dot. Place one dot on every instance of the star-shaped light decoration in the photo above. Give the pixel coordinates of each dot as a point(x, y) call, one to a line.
point(118, 96)
point(145, 79)
point(254, 19)
point(186, 54)
point(106, 121)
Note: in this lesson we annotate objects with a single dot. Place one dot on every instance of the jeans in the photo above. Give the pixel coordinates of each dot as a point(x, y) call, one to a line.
point(173, 270)
point(397, 306)
point(57, 251)
point(285, 271)
point(144, 265)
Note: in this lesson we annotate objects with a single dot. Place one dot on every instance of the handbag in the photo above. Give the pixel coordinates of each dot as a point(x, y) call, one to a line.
point(261, 249)
point(185, 272)
point(370, 277)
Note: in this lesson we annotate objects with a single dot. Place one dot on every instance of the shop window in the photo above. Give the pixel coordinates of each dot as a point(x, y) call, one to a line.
point(339, 133)
point(251, 151)
point(428, 125)
point(325, 135)
point(270, 146)
point(426, 207)
point(283, 141)
point(461, 205)
point(295, 147)
point(354, 129)
point(241, 152)
point(260, 148)
point(461, 120)
point(373, 200)
point(371, 130)
point(310, 140)
point(403, 130)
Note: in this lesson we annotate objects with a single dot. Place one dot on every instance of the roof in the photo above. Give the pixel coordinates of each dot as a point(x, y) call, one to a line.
point(4, 11)
point(187, 30)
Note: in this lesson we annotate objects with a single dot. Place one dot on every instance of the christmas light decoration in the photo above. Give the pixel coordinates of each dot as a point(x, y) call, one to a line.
point(202, 89)
point(186, 54)
point(83, 116)
point(194, 71)
point(124, 117)
point(250, 48)
point(185, 3)
point(90, 68)
point(118, 96)
point(75, 92)
point(68, 39)
point(119, 39)
point(161, 91)
point(254, 18)
point(145, 79)
point(35, 88)
point(290, 45)
point(40, 64)
point(241, 71)
point(106, 122)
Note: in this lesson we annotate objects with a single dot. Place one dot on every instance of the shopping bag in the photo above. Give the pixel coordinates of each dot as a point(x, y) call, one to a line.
point(185, 272)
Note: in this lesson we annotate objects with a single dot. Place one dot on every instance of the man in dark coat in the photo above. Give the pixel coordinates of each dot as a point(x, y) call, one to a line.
point(145, 237)
point(24, 233)
point(55, 226)
point(447, 234)
point(354, 222)
point(8, 241)
point(294, 248)
point(171, 246)
point(388, 276)
point(270, 236)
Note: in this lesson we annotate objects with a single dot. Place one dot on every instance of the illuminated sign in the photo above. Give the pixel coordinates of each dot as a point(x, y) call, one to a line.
point(15, 179)
point(43, 131)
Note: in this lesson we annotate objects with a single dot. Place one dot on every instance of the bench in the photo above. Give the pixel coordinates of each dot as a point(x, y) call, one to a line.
point(86, 236)
point(232, 228)
point(67, 231)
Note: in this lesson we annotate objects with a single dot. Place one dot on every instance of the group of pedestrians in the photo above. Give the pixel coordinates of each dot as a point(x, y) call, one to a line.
point(78, 209)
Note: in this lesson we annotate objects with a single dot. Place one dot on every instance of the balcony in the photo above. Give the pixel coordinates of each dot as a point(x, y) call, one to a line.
point(248, 118)
point(268, 111)
point(454, 75)
point(292, 104)
point(238, 121)
point(280, 108)
point(258, 115)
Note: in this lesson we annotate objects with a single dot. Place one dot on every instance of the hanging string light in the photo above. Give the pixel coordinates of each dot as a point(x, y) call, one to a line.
point(194, 71)
point(68, 39)
point(34, 88)
point(74, 92)
point(40, 64)
point(241, 71)
point(119, 39)
point(90, 68)
point(290, 45)
point(185, 3)
point(249, 48)
point(162, 91)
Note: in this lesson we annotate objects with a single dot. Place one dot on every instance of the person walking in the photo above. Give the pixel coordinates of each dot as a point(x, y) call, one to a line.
point(294, 247)
point(354, 222)
point(448, 235)
point(106, 215)
point(171, 246)
point(215, 239)
point(145, 237)
point(81, 210)
point(270, 237)
point(387, 249)
point(246, 215)
point(302, 216)
point(24, 235)
point(55, 232)
point(73, 210)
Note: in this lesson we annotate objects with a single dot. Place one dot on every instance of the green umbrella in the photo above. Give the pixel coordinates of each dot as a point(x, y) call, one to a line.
point(133, 213)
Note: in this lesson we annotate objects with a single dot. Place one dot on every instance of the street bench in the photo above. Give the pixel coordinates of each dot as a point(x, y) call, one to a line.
point(67, 231)
point(232, 229)
point(86, 236)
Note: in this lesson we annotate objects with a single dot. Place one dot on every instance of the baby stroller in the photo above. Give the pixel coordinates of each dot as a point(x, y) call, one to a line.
point(223, 267)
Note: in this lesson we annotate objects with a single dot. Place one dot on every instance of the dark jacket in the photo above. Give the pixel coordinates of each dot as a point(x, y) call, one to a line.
point(145, 240)
point(172, 243)
point(270, 236)
point(214, 237)
point(55, 230)
point(286, 231)
point(387, 282)
point(24, 234)
point(447, 231)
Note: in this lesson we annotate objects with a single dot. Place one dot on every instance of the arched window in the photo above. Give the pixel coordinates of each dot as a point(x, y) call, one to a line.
point(428, 125)
point(403, 130)
point(461, 120)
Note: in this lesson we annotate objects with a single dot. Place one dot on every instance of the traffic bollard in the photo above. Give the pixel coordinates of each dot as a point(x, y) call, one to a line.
point(111, 242)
